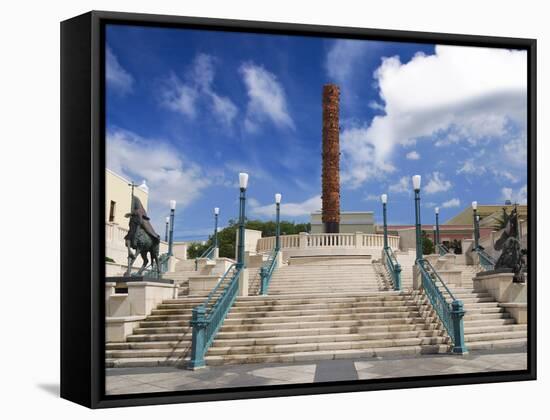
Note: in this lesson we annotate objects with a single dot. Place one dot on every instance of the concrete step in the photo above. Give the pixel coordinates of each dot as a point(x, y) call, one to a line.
point(327, 355)
point(494, 328)
point(311, 324)
point(488, 336)
point(145, 362)
point(324, 310)
point(515, 343)
point(312, 306)
point(304, 332)
point(485, 316)
point(323, 317)
point(273, 292)
point(146, 345)
point(486, 322)
point(259, 341)
point(161, 337)
point(324, 346)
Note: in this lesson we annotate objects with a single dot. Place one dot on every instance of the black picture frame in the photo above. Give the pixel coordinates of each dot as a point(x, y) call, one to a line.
point(83, 212)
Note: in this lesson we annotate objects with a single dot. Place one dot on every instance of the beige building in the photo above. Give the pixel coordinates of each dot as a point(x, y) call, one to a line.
point(350, 222)
point(118, 193)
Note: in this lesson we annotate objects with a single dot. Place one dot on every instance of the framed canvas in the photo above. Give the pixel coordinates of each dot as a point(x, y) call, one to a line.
point(256, 209)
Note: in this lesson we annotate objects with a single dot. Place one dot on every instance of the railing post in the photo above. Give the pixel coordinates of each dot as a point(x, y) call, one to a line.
point(198, 322)
point(358, 240)
point(263, 281)
point(303, 240)
point(397, 279)
point(171, 232)
point(457, 314)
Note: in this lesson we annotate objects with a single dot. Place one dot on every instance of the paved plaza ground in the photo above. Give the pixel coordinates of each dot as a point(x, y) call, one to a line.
point(161, 379)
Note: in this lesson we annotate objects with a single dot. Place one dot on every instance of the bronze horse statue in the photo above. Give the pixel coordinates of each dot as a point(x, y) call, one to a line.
point(141, 237)
point(512, 256)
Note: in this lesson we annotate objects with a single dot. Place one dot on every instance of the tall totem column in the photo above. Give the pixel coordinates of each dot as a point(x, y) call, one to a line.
point(331, 159)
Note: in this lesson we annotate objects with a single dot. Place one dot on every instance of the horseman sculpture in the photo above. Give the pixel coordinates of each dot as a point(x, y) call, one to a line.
point(512, 256)
point(141, 237)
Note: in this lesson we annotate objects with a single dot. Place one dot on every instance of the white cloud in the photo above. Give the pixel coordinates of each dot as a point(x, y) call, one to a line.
point(169, 175)
point(470, 168)
point(179, 97)
point(459, 94)
point(413, 155)
point(437, 183)
point(372, 197)
point(342, 62)
point(453, 202)
point(403, 185)
point(117, 77)
point(186, 97)
point(515, 196)
point(362, 157)
point(267, 99)
point(304, 208)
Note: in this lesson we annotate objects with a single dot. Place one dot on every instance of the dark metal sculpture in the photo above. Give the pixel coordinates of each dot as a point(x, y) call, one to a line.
point(512, 257)
point(141, 237)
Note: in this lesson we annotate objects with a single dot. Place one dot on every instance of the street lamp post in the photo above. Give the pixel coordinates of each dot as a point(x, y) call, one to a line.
point(416, 186)
point(476, 227)
point(216, 214)
point(166, 228)
point(384, 199)
point(243, 182)
point(171, 234)
point(435, 236)
point(437, 225)
point(277, 222)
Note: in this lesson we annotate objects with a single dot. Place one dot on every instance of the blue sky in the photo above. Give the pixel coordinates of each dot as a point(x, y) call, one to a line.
point(187, 110)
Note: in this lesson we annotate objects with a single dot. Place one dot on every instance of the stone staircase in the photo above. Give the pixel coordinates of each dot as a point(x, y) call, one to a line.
point(313, 312)
point(487, 325)
point(319, 311)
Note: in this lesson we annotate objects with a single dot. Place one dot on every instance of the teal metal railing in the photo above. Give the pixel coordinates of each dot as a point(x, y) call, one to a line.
point(485, 260)
point(442, 249)
point(267, 271)
point(208, 317)
point(450, 313)
point(206, 254)
point(394, 267)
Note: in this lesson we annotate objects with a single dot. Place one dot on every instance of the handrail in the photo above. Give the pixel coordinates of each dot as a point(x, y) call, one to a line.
point(267, 271)
point(451, 315)
point(207, 318)
point(442, 249)
point(394, 267)
point(485, 260)
point(206, 254)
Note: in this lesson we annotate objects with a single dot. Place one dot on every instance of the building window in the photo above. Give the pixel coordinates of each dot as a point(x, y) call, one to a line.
point(112, 211)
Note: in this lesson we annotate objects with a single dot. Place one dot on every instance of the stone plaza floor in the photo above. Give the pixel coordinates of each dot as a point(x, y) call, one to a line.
point(161, 379)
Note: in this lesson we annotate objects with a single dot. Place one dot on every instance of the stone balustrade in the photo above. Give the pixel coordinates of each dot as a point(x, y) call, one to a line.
point(327, 240)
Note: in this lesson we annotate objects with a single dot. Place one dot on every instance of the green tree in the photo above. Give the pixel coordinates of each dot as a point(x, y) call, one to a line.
point(227, 236)
point(195, 250)
point(427, 244)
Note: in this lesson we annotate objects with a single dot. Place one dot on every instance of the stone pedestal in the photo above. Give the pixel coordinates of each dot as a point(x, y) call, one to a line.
point(243, 282)
point(145, 296)
point(125, 310)
point(417, 278)
point(172, 261)
point(202, 284)
point(453, 277)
